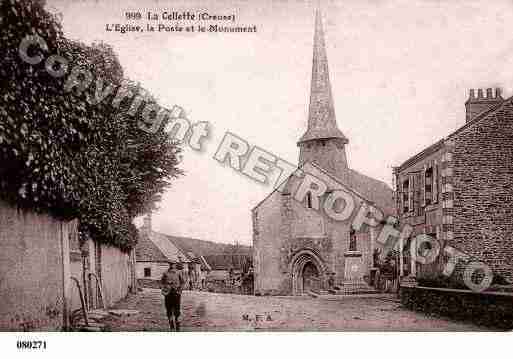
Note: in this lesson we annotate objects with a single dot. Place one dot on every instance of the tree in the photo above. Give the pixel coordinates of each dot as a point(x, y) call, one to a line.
point(68, 156)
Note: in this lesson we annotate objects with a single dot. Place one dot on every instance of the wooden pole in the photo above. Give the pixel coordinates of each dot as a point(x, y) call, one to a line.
point(66, 275)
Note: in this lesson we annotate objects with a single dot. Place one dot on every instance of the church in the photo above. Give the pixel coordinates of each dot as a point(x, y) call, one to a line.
point(296, 248)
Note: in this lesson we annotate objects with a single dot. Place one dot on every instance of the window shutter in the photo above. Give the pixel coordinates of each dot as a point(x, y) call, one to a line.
point(411, 189)
point(417, 204)
point(423, 186)
point(434, 181)
point(401, 196)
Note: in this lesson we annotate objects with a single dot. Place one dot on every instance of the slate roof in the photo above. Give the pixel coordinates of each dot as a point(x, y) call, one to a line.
point(162, 248)
point(227, 261)
point(203, 248)
point(158, 247)
point(436, 146)
point(147, 251)
point(422, 154)
point(374, 190)
point(367, 188)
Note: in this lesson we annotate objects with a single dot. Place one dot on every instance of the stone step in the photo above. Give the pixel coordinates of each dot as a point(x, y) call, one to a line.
point(92, 326)
point(354, 287)
point(312, 294)
point(94, 318)
point(123, 312)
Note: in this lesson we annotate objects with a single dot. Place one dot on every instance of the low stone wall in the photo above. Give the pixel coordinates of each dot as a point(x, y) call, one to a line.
point(493, 309)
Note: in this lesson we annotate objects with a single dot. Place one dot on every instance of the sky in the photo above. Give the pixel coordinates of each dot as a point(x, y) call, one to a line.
point(400, 73)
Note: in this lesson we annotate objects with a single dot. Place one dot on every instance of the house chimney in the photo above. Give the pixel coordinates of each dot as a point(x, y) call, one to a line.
point(146, 227)
point(477, 105)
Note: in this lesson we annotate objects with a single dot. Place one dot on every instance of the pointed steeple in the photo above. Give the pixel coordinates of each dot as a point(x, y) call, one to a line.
point(322, 123)
point(323, 143)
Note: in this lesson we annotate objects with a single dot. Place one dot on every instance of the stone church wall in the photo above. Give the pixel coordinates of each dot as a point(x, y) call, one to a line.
point(266, 244)
point(285, 228)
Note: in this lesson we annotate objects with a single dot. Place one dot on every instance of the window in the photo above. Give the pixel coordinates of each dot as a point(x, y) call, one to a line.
point(352, 240)
point(435, 182)
point(406, 196)
point(428, 186)
point(147, 272)
point(309, 200)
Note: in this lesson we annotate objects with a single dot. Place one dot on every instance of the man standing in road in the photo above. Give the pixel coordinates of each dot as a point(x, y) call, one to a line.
point(172, 284)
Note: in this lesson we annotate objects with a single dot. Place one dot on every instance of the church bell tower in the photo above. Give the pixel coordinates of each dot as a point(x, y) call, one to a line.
point(323, 142)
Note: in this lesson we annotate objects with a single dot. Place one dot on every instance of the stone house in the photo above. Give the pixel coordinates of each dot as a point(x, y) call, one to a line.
point(221, 264)
point(297, 248)
point(227, 271)
point(460, 189)
point(155, 250)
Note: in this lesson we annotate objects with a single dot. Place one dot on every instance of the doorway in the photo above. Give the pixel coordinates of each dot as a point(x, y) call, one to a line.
point(311, 280)
point(307, 272)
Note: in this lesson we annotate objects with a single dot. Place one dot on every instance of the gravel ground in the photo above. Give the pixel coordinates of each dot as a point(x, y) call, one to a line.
point(203, 311)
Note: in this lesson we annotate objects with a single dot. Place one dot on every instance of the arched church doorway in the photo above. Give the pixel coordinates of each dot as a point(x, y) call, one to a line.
point(307, 273)
point(310, 278)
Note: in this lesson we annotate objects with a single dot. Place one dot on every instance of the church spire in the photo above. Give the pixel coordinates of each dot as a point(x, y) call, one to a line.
point(322, 123)
point(323, 143)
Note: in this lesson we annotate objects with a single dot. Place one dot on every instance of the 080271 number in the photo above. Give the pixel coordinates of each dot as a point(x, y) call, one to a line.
point(31, 344)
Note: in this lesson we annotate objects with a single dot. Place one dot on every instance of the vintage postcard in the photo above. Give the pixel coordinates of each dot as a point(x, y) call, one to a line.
point(255, 166)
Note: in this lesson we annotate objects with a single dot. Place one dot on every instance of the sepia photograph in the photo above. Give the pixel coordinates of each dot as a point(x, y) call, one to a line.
point(275, 166)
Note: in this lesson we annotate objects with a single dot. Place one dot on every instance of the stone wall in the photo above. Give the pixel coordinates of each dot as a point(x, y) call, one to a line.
point(490, 309)
point(116, 276)
point(482, 181)
point(38, 256)
point(157, 269)
point(31, 270)
point(108, 263)
point(266, 244)
point(328, 154)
